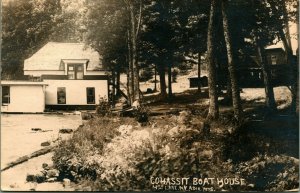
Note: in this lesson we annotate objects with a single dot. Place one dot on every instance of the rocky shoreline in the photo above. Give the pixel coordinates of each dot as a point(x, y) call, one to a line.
point(23, 177)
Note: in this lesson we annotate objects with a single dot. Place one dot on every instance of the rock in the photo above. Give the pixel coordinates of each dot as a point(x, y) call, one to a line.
point(86, 116)
point(77, 112)
point(174, 131)
point(65, 130)
point(149, 90)
point(52, 173)
point(36, 129)
point(15, 185)
point(47, 143)
point(51, 180)
point(40, 177)
point(44, 172)
point(47, 166)
point(30, 178)
point(66, 182)
point(136, 104)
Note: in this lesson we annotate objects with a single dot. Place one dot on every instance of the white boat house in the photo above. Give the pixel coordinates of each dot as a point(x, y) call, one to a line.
point(70, 75)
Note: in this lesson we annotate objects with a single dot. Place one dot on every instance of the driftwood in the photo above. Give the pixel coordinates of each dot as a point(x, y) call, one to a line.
point(28, 157)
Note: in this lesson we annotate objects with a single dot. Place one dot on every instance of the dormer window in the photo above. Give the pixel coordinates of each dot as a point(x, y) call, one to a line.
point(75, 71)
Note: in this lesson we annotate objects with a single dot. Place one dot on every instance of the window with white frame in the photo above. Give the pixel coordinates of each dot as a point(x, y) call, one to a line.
point(90, 95)
point(75, 71)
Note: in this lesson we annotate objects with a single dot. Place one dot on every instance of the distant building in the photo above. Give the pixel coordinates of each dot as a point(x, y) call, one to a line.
point(251, 73)
point(72, 75)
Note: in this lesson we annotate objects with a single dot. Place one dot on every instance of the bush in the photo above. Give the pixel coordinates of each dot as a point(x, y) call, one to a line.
point(105, 156)
point(184, 67)
point(146, 74)
point(72, 157)
point(103, 108)
point(131, 159)
point(271, 173)
point(141, 114)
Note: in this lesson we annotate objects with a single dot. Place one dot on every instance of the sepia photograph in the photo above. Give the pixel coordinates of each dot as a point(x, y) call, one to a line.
point(150, 95)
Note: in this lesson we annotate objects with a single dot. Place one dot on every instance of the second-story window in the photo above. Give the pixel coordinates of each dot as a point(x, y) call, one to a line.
point(75, 71)
point(273, 59)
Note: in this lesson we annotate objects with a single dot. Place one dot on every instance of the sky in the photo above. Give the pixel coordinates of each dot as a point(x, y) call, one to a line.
point(294, 41)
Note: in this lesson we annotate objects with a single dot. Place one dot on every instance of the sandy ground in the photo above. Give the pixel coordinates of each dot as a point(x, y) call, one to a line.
point(17, 138)
point(14, 179)
point(182, 84)
point(281, 93)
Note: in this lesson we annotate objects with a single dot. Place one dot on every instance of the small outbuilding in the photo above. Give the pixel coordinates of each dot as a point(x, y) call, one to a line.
point(23, 97)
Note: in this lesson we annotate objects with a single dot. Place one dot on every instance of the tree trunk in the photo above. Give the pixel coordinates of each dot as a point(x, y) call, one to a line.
point(297, 65)
point(113, 88)
point(118, 94)
point(162, 81)
point(155, 79)
point(292, 70)
point(213, 111)
point(169, 81)
point(270, 100)
point(236, 100)
point(135, 67)
point(199, 72)
point(228, 96)
point(129, 72)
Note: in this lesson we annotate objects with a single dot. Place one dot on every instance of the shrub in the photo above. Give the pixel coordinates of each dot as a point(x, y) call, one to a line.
point(184, 67)
point(71, 157)
point(105, 156)
point(141, 114)
point(103, 108)
point(146, 74)
point(130, 160)
point(271, 173)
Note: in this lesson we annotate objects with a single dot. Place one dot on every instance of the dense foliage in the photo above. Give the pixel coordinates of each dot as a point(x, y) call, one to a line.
point(124, 157)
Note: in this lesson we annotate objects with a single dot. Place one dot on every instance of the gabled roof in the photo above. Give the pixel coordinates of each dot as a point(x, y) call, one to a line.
point(50, 56)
